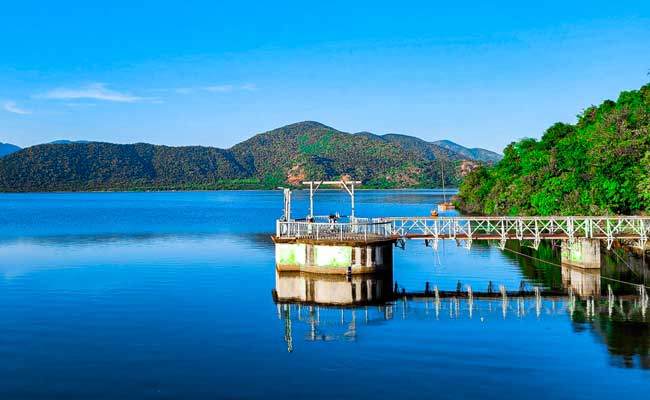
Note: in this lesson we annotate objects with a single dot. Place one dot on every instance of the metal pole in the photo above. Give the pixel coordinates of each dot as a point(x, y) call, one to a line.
point(311, 200)
point(352, 194)
point(287, 205)
point(442, 173)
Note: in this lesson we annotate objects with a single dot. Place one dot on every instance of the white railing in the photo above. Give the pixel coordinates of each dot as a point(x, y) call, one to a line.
point(356, 230)
point(633, 228)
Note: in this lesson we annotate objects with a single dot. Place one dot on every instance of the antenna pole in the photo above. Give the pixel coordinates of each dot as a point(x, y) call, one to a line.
point(311, 199)
point(352, 195)
point(287, 204)
point(442, 172)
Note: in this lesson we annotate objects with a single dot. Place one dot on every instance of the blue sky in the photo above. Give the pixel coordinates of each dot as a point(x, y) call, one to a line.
point(213, 73)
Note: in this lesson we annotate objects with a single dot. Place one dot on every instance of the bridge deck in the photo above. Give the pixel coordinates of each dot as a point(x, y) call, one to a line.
point(632, 228)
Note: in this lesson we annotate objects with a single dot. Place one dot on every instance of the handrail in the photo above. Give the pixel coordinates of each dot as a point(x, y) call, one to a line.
point(634, 228)
point(334, 230)
point(499, 218)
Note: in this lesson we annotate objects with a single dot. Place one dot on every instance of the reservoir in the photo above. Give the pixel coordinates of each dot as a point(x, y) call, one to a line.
point(177, 295)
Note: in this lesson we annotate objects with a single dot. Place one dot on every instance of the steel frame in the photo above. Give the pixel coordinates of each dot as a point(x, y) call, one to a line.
point(464, 230)
point(535, 229)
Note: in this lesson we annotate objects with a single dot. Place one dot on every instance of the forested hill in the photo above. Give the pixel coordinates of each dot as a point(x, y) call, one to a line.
point(601, 165)
point(284, 156)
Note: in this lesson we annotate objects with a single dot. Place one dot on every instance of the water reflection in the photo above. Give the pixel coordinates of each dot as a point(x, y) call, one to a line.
point(329, 289)
point(584, 282)
point(628, 342)
point(621, 270)
point(326, 308)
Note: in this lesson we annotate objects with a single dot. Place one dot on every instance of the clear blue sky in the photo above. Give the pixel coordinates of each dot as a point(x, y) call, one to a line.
point(480, 73)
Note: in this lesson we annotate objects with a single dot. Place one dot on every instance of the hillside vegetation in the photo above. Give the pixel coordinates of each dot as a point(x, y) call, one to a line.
point(284, 156)
point(601, 165)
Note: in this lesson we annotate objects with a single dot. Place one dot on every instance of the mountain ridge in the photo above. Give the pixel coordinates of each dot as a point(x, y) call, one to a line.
point(8, 148)
point(282, 156)
point(476, 152)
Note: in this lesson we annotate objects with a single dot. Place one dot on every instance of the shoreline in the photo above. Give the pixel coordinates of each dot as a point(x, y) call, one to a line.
point(451, 190)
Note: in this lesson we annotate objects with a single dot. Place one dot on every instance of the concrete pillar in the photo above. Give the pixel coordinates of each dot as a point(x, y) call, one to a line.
point(369, 250)
point(310, 255)
point(379, 259)
point(583, 253)
point(357, 256)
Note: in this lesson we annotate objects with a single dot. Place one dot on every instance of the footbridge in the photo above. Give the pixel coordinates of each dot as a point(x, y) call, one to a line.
point(634, 229)
point(580, 237)
point(336, 244)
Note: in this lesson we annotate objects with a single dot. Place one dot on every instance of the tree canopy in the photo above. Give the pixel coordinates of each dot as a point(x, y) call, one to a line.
point(600, 165)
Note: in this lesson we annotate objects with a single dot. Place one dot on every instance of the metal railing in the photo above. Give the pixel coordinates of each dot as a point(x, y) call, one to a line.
point(632, 228)
point(635, 229)
point(355, 230)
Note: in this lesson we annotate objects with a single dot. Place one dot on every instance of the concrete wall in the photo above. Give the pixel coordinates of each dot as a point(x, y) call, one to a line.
point(333, 258)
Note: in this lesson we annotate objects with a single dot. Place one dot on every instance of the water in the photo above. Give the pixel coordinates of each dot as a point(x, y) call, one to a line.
point(169, 295)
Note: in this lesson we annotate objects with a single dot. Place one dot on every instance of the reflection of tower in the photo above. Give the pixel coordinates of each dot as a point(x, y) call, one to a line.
point(332, 302)
point(307, 288)
point(287, 328)
point(583, 281)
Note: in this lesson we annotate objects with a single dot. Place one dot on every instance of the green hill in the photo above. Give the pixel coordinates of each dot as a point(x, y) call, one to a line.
point(101, 166)
point(600, 165)
point(288, 155)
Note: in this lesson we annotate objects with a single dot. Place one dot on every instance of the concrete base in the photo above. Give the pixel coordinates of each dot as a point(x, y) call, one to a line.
point(334, 259)
point(583, 253)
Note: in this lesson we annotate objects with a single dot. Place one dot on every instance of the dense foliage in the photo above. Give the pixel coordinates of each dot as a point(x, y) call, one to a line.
point(284, 156)
point(601, 165)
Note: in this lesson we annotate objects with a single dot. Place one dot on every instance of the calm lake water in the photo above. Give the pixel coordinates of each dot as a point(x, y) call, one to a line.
point(169, 295)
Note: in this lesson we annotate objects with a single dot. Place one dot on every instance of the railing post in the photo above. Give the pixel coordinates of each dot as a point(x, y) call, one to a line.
point(453, 229)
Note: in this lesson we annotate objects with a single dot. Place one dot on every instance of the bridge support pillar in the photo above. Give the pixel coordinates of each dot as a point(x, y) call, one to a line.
point(583, 253)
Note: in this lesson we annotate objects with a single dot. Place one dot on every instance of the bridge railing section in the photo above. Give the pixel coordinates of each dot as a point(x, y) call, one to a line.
point(356, 230)
point(633, 228)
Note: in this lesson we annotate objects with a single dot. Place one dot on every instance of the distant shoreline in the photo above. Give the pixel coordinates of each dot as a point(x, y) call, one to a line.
point(452, 191)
